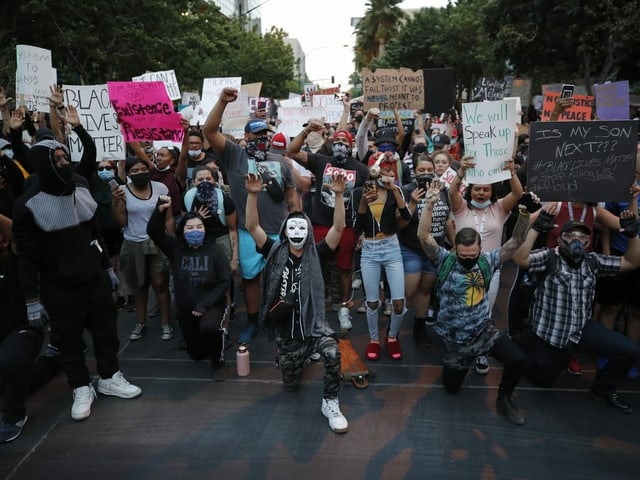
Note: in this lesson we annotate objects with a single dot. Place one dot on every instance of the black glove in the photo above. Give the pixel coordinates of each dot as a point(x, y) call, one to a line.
point(629, 226)
point(544, 222)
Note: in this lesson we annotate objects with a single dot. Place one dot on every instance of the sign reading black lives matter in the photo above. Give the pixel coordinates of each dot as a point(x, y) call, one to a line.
point(582, 161)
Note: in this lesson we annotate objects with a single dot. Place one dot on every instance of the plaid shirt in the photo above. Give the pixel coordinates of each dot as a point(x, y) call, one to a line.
point(563, 303)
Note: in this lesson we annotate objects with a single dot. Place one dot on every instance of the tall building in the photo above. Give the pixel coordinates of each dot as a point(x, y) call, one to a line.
point(250, 9)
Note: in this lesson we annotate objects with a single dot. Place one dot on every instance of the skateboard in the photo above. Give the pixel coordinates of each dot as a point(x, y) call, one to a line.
point(351, 365)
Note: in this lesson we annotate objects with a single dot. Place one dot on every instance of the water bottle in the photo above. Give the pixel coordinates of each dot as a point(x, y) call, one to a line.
point(242, 361)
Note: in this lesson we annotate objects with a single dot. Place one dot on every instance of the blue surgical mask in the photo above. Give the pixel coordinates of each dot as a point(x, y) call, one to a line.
point(484, 204)
point(105, 175)
point(194, 238)
point(454, 141)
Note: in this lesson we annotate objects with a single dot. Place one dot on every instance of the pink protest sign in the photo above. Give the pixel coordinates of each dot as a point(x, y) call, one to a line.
point(145, 111)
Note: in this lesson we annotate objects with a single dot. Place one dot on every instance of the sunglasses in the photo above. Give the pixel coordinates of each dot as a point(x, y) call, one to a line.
point(100, 169)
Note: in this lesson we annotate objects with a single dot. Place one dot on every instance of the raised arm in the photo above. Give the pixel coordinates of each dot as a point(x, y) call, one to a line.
point(252, 222)
point(429, 245)
point(87, 165)
point(629, 226)
point(454, 189)
point(518, 236)
point(181, 168)
point(296, 144)
point(337, 185)
point(399, 126)
point(362, 144)
point(211, 128)
point(346, 103)
point(511, 200)
point(542, 224)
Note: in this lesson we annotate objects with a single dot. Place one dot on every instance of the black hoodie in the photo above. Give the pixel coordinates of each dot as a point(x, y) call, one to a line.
point(54, 226)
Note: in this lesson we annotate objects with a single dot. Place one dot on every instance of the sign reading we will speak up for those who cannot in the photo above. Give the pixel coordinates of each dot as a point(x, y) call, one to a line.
point(489, 131)
point(582, 161)
point(388, 88)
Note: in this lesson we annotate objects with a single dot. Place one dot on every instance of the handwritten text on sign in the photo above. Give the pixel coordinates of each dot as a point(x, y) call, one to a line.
point(145, 111)
point(580, 111)
point(582, 161)
point(99, 119)
point(168, 77)
point(34, 77)
point(489, 129)
point(387, 89)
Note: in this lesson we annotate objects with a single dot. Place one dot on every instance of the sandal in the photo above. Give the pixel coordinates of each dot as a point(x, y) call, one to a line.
point(393, 348)
point(373, 351)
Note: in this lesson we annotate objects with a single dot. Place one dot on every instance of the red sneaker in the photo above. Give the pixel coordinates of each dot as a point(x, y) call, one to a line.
point(373, 351)
point(394, 349)
point(574, 367)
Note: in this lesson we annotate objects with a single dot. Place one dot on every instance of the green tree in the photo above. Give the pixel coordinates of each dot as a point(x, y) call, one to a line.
point(379, 25)
point(556, 41)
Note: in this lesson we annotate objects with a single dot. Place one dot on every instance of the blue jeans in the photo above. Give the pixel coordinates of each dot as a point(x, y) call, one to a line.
point(377, 254)
point(544, 363)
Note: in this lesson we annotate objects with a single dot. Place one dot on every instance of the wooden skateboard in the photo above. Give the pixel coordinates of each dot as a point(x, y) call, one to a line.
point(351, 365)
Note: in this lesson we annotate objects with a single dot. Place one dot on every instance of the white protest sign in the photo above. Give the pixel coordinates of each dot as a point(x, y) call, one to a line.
point(333, 107)
point(98, 118)
point(489, 131)
point(168, 77)
point(211, 88)
point(235, 126)
point(292, 101)
point(292, 118)
point(34, 77)
point(190, 98)
point(449, 175)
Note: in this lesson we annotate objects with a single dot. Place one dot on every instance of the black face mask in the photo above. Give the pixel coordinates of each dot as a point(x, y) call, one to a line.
point(358, 118)
point(140, 179)
point(468, 263)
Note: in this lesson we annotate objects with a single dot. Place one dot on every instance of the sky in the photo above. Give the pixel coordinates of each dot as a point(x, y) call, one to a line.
point(323, 29)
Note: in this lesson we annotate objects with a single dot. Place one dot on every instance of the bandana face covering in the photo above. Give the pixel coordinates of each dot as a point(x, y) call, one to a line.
point(297, 232)
point(341, 153)
point(258, 148)
point(206, 193)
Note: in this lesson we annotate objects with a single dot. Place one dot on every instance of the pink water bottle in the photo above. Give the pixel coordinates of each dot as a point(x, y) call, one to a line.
point(242, 361)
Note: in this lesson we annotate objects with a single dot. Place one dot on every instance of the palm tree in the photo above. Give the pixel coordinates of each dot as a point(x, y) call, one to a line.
point(379, 25)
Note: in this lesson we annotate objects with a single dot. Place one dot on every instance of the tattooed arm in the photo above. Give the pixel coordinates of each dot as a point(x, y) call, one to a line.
point(429, 245)
point(517, 238)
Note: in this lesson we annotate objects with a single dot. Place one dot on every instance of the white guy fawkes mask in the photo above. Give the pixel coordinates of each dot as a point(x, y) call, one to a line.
point(297, 232)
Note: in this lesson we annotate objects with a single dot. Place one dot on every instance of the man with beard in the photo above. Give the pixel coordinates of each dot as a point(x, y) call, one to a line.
point(65, 274)
point(276, 199)
point(323, 168)
point(292, 301)
point(463, 322)
point(561, 309)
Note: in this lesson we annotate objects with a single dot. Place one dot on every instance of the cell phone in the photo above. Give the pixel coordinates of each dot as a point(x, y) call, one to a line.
point(370, 186)
point(567, 90)
point(113, 184)
point(423, 181)
point(262, 105)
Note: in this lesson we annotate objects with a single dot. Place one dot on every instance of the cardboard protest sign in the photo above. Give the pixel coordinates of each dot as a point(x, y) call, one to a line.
point(580, 111)
point(252, 89)
point(292, 118)
point(98, 118)
point(333, 107)
point(190, 98)
point(612, 100)
point(34, 77)
point(489, 132)
point(388, 88)
point(582, 161)
point(439, 88)
point(145, 111)
point(168, 77)
point(211, 89)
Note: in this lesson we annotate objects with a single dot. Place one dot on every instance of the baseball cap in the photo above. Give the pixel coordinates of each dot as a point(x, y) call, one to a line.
point(256, 126)
point(384, 135)
point(279, 143)
point(575, 225)
point(343, 133)
point(44, 134)
point(441, 140)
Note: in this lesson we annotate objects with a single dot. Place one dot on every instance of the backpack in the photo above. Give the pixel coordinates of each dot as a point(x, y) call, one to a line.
point(190, 195)
point(448, 264)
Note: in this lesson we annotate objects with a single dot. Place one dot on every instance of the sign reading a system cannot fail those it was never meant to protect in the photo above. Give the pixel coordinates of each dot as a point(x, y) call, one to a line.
point(389, 89)
point(582, 161)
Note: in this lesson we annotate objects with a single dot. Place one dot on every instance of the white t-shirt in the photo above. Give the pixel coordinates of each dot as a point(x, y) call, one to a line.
point(139, 211)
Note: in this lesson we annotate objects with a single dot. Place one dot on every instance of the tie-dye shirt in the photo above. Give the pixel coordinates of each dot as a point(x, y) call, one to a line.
point(464, 300)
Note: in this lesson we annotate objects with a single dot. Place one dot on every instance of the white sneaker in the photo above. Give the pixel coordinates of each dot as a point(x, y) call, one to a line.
point(345, 318)
point(118, 386)
point(83, 398)
point(482, 365)
point(331, 410)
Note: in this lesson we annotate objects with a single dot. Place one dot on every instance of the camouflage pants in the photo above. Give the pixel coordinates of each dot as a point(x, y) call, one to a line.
point(294, 356)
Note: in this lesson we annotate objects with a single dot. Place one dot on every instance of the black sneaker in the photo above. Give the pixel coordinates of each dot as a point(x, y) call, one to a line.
point(612, 399)
point(10, 431)
point(506, 407)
